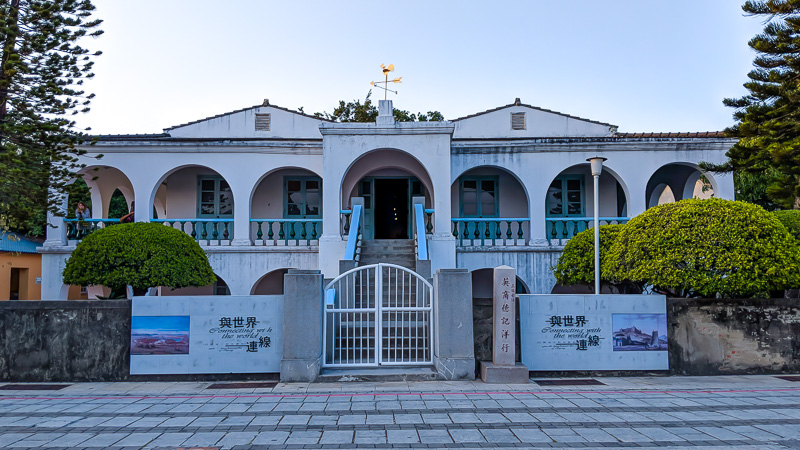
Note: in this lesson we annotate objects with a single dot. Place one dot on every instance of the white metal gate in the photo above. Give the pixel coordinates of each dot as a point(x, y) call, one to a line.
point(379, 314)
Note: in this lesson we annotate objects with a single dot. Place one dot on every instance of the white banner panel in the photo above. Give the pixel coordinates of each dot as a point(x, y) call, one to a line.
point(593, 332)
point(206, 334)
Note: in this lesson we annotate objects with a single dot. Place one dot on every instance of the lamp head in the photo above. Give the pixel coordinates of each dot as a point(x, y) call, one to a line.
point(597, 165)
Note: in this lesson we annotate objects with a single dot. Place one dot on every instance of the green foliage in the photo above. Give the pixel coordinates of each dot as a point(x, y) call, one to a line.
point(790, 218)
point(42, 68)
point(355, 111)
point(576, 263)
point(142, 255)
point(752, 188)
point(118, 206)
point(706, 248)
point(768, 117)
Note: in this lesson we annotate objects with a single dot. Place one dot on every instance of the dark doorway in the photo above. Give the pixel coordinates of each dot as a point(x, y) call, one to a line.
point(391, 208)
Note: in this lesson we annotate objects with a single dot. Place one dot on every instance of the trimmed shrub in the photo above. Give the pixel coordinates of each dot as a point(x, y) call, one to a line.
point(790, 218)
point(706, 248)
point(142, 255)
point(576, 263)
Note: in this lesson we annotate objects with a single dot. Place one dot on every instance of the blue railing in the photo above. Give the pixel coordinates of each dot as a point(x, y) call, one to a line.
point(567, 227)
point(421, 235)
point(353, 235)
point(287, 230)
point(202, 229)
point(77, 229)
point(344, 222)
point(491, 231)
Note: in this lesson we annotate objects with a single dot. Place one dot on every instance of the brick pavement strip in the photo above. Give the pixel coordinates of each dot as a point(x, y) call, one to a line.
point(759, 412)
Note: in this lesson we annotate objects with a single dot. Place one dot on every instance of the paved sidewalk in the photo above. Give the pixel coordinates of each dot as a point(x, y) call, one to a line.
point(675, 412)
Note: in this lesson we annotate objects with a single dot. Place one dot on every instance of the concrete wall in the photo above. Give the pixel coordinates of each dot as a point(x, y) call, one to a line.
point(733, 336)
point(65, 341)
point(538, 123)
point(533, 264)
point(31, 268)
point(284, 124)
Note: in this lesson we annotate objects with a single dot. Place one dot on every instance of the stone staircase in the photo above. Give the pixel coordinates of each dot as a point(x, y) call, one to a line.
point(394, 251)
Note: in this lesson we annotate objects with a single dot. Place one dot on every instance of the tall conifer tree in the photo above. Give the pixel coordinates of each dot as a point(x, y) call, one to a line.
point(42, 69)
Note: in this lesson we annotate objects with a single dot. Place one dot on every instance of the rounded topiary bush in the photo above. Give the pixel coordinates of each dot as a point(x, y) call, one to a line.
point(706, 248)
point(576, 263)
point(142, 255)
point(790, 218)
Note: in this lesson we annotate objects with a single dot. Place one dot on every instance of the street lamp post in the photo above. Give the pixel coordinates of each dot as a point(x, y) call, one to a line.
point(597, 168)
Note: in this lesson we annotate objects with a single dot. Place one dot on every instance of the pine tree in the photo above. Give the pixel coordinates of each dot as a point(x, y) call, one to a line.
point(42, 69)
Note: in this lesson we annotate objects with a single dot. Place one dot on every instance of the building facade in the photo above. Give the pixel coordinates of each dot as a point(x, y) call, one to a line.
point(266, 189)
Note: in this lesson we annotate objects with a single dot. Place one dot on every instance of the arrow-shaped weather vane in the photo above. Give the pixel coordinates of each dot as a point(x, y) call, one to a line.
point(386, 80)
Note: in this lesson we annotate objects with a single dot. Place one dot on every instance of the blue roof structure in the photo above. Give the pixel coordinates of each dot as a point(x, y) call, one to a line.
point(13, 242)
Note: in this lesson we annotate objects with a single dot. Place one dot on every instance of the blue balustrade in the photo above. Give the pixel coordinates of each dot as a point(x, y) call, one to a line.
point(567, 227)
point(77, 229)
point(286, 231)
point(202, 229)
point(491, 231)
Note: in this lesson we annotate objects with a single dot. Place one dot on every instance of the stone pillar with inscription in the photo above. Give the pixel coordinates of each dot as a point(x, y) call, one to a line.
point(503, 368)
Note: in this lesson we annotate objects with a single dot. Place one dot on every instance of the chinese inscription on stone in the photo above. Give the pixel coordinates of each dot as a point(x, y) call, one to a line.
point(504, 331)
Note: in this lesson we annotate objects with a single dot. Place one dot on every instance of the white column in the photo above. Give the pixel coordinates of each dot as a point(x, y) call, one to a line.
point(241, 211)
point(537, 210)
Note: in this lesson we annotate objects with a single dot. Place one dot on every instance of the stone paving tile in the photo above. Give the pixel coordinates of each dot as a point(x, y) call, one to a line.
point(236, 438)
point(104, 440)
point(137, 439)
point(498, 435)
point(204, 439)
point(658, 434)
point(336, 437)
point(595, 435)
point(271, 438)
point(752, 432)
point(369, 437)
point(170, 439)
point(304, 437)
point(7, 439)
point(627, 435)
point(531, 435)
point(402, 436)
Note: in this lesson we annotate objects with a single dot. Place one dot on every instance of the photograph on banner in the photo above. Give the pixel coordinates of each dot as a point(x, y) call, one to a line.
point(160, 335)
point(639, 332)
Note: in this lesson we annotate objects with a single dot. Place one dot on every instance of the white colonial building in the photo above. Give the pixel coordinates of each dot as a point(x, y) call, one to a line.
point(266, 189)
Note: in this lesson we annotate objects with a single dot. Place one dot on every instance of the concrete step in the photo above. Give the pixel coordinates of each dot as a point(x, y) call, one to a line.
point(395, 373)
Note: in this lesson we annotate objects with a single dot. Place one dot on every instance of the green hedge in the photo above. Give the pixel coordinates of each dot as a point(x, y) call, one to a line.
point(142, 255)
point(790, 218)
point(706, 248)
point(576, 263)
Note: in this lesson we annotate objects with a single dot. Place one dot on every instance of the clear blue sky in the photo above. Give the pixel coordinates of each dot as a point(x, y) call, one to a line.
point(642, 65)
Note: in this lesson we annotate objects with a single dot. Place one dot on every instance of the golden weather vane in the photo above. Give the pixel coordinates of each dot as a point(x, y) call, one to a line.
point(386, 80)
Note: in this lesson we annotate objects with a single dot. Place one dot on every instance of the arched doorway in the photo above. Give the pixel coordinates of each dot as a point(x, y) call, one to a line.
point(569, 206)
point(387, 182)
point(195, 199)
point(678, 181)
point(270, 284)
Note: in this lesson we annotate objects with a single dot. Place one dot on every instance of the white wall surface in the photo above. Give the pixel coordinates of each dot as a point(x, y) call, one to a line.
point(241, 124)
point(539, 123)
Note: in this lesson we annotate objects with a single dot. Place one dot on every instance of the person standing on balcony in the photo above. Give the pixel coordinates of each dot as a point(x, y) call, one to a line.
point(82, 213)
point(127, 218)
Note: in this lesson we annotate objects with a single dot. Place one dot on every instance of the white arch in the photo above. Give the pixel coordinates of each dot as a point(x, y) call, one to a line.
point(423, 177)
point(174, 170)
point(606, 169)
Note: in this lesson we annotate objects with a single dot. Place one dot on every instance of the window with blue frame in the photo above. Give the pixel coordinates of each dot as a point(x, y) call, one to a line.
point(214, 198)
point(478, 197)
point(302, 198)
point(566, 197)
